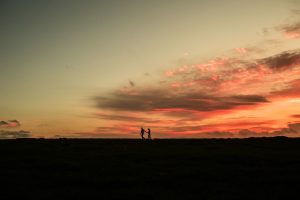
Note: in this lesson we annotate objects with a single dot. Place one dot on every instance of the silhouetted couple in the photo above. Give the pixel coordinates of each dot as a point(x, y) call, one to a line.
point(143, 131)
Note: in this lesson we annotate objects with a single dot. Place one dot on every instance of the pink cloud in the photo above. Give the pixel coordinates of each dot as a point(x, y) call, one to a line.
point(10, 124)
point(183, 102)
point(291, 30)
point(291, 35)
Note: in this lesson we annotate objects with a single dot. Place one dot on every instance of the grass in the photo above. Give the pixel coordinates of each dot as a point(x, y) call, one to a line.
point(255, 168)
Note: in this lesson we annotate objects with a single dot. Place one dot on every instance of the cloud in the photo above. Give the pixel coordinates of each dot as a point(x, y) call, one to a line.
point(291, 90)
point(120, 129)
point(198, 99)
point(126, 131)
point(294, 127)
point(295, 27)
point(236, 76)
point(283, 61)
point(131, 83)
point(190, 94)
point(102, 135)
point(153, 100)
point(292, 130)
point(295, 116)
point(291, 30)
point(3, 123)
point(10, 124)
point(126, 118)
point(4, 134)
point(217, 134)
point(232, 126)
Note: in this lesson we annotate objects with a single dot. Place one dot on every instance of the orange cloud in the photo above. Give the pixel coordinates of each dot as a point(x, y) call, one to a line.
point(194, 99)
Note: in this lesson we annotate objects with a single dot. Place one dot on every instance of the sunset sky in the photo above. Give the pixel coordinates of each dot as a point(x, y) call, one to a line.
point(192, 68)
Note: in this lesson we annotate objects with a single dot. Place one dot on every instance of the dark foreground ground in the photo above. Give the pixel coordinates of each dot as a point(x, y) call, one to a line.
point(265, 168)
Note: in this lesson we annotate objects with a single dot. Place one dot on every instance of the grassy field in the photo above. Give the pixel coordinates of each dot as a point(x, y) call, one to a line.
point(261, 168)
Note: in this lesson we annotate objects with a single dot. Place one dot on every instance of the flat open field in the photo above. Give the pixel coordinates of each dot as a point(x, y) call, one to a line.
point(261, 168)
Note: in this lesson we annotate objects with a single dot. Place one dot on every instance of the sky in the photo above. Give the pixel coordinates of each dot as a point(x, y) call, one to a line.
point(185, 69)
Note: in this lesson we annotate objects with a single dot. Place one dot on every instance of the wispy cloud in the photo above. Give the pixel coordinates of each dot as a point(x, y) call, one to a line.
point(291, 28)
point(5, 134)
point(10, 124)
point(126, 118)
point(295, 116)
point(131, 83)
point(283, 61)
point(290, 31)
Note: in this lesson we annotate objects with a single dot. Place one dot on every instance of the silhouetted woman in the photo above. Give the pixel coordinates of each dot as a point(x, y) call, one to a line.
point(149, 134)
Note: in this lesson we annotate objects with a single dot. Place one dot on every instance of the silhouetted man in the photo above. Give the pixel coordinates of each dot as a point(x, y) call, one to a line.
point(149, 134)
point(142, 132)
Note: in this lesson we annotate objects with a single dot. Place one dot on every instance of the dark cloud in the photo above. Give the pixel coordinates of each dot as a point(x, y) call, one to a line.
point(10, 124)
point(131, 83)
point(295, 116)
point(124, 129)
point(283, 61)
point(293, 90)
point(164, 99)
point(233, 129)
point(250, 98)
point(217, 134)
point(293, 27)
point(3, 123)
point(245, 133)
point(294, 127)
point(102, 135)
point(228, 125)
point(184, 128)
point(14, 134)
point(125, 118)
